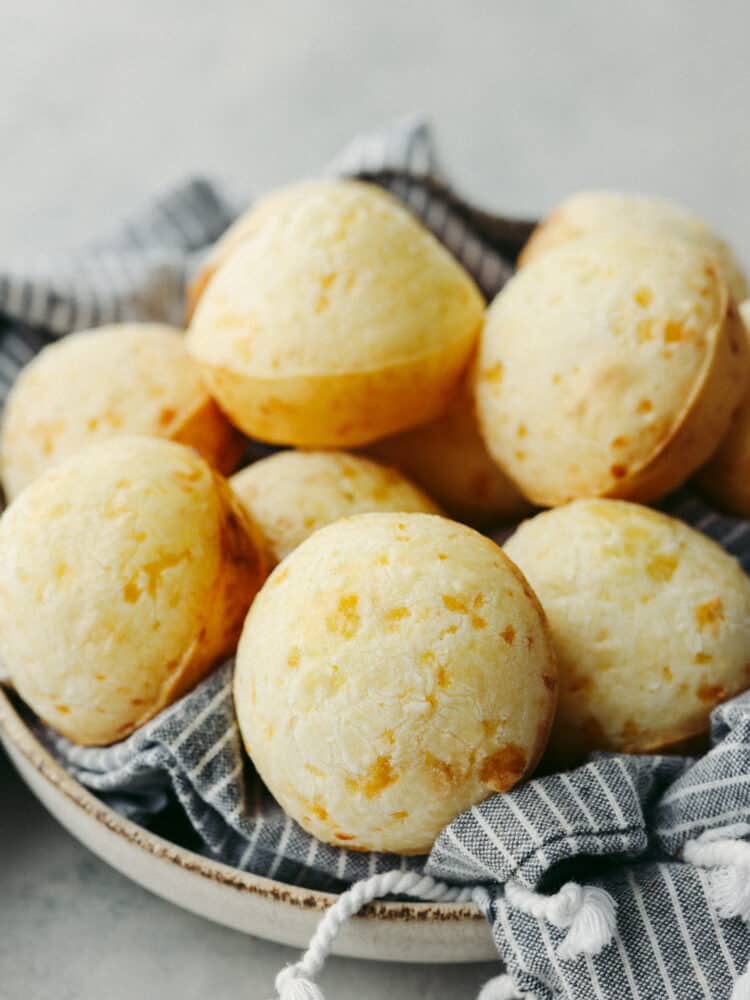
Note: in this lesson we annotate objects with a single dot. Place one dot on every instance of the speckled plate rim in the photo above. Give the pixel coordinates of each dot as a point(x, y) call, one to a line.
point(262, 907)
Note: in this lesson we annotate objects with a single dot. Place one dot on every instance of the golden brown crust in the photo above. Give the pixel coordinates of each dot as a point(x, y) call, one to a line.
point(704, 420)
point(206, 429)
point(309, 411)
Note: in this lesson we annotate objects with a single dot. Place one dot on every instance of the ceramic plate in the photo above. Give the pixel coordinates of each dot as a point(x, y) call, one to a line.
point(395, 932)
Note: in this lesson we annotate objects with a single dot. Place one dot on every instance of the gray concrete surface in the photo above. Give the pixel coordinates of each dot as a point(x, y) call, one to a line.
point(103, 103)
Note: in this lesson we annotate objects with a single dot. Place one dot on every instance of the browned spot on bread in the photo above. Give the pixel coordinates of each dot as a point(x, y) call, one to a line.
point(448, 630)
point(643, 296)
point(131, 592)
point(380, 775)
point(619, 442)
point(579, 683)
point(644, 331)
point(401, 814)
point(667, 674)
point(166, 416)
point(137, 701)
point(502, 769)
point(520, 455)
point(549, 682)
point(521, 430)
point(711, 693)
point(619, 471)
point(443, 772)
point(702, 658)
point(508, 634)
point(494, 373)
point(279, 576)
point(661, 567)
point(489, 727)
point(63, 709)
point(459, 606)
point(318, 810)
point(100, 677)
point(709, 615)
point(442, 677)
point(395, 616)
point(645, 406)
point(345, 621)
point(383, 559)
point(293, 658)
point(431, 701)
point(344, 836)
point(630, 729)
point(389, 737)
point(675, 332)
point(601, 635)
point(442, 555)
point(455, 604)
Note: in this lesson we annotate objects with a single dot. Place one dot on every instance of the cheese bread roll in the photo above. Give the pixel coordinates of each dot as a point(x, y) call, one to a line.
point(726, 477)
point(293, 493)
point(650, 620)
point(610, 367)
point(450, 460)
point(130, 378)
point(125, 576)
point(611, 212)
point(243, 227)
point(394, 670)
point(338, 320)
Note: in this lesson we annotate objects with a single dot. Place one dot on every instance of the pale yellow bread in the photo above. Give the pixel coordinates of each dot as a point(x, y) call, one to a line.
point(449, 459)
point(726, 477)
point(293, 493)
point(130, 378)
point(125, 575)
point(337, 320)
point(610, 366)
point(243, 227)
point(611, 212)
point(394, 670)
point(650, 621)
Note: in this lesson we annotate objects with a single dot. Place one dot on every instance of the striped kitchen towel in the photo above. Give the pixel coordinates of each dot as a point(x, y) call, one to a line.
point(661, 843)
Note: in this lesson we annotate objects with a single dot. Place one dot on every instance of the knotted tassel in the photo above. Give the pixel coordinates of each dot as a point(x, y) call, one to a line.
point(297, 982)
point(588, 912)
point(728, 856)
point(741, 989)
point(502, 988)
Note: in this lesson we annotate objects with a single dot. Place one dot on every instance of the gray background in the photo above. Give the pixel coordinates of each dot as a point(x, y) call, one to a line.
point(103, 103)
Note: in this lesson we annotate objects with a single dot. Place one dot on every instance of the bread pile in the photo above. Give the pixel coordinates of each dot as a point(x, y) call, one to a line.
point(396, 666)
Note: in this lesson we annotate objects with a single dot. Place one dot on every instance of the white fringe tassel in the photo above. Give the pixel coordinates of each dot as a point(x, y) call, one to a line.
point(296, 982)
point(502, 988)
point(727, 855)
point(587, 912)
